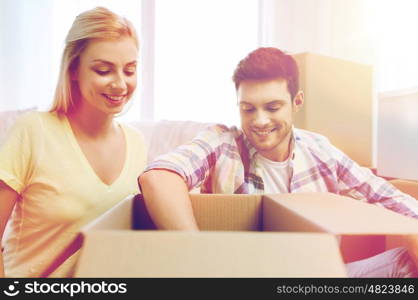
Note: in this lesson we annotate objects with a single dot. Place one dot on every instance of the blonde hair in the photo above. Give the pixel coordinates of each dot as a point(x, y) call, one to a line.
point(92, 24)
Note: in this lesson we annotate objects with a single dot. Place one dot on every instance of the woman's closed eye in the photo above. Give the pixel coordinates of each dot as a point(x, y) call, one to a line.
point(102, 72)
point(130, 71)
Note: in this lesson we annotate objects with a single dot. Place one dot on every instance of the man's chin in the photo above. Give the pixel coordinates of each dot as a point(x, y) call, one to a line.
point(263, 147)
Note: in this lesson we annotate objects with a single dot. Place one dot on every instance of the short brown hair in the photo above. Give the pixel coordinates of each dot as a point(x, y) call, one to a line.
point(268, 63)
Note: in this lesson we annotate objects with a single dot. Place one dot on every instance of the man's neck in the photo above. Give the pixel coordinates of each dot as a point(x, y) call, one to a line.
point(282, 151)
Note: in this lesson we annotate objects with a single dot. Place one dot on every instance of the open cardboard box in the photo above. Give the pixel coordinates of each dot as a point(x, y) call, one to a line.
point(283, 235)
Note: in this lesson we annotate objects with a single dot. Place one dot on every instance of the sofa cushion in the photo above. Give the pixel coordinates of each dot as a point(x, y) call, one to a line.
point(163, 136)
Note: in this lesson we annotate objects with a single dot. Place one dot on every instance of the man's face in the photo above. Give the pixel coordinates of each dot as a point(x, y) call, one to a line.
point(266, 110)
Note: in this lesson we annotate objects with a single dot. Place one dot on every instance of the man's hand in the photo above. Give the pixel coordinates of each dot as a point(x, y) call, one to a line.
point(167, 199)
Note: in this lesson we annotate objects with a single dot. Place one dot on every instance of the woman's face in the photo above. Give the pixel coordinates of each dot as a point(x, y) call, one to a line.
point(106, 74)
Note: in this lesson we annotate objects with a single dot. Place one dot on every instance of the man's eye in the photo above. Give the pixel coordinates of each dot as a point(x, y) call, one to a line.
point(247, 109)
point(273, 109)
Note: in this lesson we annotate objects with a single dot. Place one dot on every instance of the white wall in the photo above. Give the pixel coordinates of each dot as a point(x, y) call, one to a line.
point(338, 28)
point(397, 135)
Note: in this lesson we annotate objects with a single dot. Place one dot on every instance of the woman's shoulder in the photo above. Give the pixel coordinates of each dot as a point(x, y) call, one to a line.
point(27, 122)
point(35, 118)
point(38, 125)
point(27, 130)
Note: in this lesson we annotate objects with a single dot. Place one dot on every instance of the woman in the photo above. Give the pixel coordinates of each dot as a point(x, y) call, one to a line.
point(63, 168)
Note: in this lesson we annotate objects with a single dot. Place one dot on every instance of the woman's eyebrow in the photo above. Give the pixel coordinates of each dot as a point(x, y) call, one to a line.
point(102, 61)
point(134, 62)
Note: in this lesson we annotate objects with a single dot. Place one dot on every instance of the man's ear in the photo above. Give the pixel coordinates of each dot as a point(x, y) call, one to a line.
point(298, 101)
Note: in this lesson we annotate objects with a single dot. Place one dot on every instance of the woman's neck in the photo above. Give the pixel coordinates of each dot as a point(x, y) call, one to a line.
point(91, 124)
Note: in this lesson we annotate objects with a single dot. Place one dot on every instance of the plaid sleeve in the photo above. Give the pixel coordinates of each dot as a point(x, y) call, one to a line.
point(194, 160)
point(360, 183)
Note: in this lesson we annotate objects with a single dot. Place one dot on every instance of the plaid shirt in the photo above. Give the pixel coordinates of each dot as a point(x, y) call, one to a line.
point(221, 160)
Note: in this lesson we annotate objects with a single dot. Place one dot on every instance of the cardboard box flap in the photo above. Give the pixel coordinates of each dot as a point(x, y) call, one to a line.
point(278, 217)
point(336, 214)
point(208, 254)
point(119, 217)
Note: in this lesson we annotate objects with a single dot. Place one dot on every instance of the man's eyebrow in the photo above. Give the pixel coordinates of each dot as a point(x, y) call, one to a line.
point(275, 102)
point(268, 103)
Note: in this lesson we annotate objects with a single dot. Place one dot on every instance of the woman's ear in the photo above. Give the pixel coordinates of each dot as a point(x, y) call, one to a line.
point(73, 69)
point(298, 101)
point(73, 74)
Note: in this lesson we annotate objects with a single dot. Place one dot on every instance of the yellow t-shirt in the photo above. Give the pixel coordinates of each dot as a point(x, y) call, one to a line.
point(59, 191)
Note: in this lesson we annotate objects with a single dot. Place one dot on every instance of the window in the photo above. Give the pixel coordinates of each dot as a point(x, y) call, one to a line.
point(397, 46)
point(197, 46)
point(188, 52)
point(32, 40)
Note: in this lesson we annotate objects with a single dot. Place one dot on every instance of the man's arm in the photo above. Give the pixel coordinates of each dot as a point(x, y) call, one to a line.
point(360, 183)
point(167, 180)
point(167, 199)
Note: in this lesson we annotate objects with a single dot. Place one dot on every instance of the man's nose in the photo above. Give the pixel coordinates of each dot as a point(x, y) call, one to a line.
point(261, 119)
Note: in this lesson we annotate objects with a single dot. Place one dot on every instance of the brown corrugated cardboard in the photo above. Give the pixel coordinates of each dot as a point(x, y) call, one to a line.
point(209, 254)
point(325, 81)
point(228, 212)
point(410, 241)
point(336, 214)
point(221, 252)
point(407, 186)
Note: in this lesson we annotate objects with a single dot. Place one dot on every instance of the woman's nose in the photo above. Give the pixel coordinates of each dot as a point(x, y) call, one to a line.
point(118, 83)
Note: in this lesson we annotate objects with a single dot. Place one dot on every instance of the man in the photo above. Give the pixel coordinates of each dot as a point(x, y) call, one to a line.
point(268, 155)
